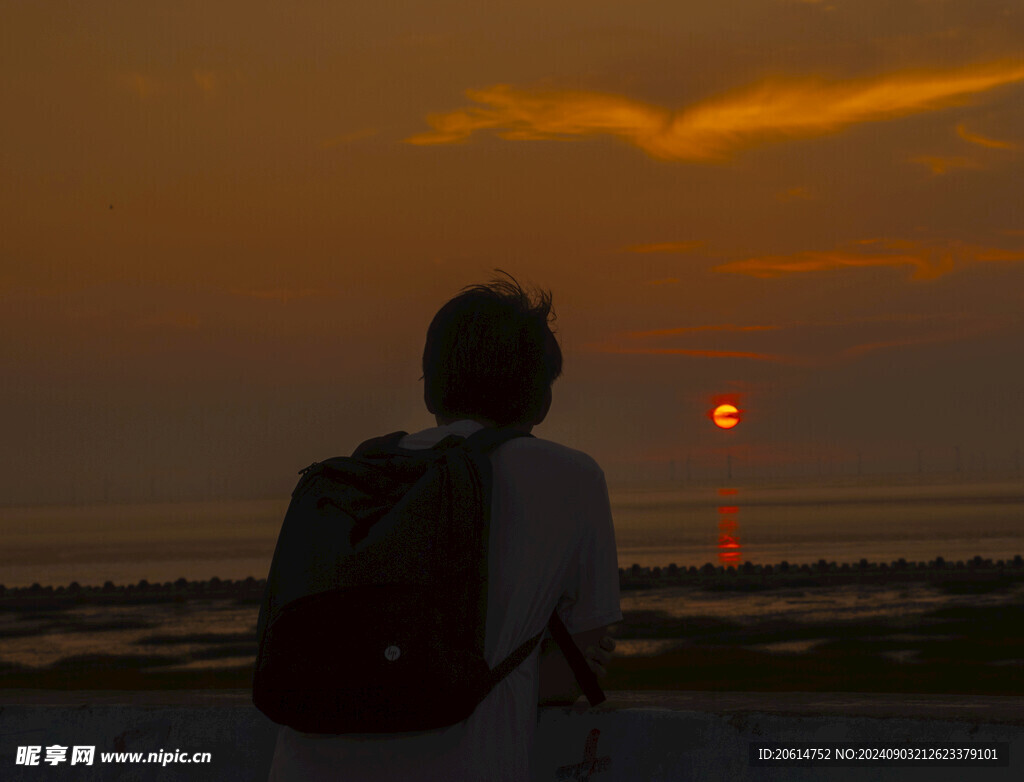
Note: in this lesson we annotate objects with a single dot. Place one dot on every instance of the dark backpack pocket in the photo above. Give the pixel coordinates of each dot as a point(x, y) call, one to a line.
point(364, 659)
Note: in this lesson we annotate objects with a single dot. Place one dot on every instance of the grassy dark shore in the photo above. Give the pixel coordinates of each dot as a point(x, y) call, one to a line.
point(976, 650)
point(968, 639)
point(752, 577)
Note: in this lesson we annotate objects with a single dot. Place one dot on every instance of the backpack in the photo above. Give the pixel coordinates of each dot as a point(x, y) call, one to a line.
point(375, 607)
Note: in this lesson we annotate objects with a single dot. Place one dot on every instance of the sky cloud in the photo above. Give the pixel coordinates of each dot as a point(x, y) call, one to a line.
point(741, 354)
point(797, 193)
point(631, 343)
point(817, 343)
point(963, 330)
point(207, 81)
point(983, 141)
point(715, 129)
point(939, 165)
point(213, 82)
point(695, 329)
point(666, 247)
point(142, 85)
point(766, 266)
point(928, 260)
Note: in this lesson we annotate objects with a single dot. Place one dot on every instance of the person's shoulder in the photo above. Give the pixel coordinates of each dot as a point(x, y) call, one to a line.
point(551, 454)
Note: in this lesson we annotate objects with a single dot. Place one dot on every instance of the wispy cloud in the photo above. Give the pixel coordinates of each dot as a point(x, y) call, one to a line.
point(801, 263)
point(975, 138)
point(666, 247)
point(815, 343)
point(968, 330)
point(142, 85)
point(212, 82)
point(870, 347)
point(928, 260)
point(939, 165)
point(207, 81)
point(798, 193)
point(996, 254)
point(696, 329)
point(740, 354)
point(716, 128)
point(632, 343)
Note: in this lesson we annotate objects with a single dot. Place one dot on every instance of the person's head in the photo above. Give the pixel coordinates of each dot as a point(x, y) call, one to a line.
point(491, 355)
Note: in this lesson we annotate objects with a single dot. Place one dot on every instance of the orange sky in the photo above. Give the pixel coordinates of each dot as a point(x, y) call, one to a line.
point(226, 227)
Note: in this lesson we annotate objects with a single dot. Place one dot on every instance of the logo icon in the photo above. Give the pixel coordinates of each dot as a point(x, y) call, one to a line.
point(392, 653)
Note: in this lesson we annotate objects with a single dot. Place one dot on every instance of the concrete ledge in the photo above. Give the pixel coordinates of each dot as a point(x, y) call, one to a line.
point(634, 736)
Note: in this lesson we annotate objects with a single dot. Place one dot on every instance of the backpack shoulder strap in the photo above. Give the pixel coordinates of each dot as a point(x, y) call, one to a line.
point(584, 676)
point(510, 663)
point(379, 446)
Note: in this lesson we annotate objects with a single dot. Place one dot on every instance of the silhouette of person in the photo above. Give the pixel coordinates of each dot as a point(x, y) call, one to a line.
point(490, 359)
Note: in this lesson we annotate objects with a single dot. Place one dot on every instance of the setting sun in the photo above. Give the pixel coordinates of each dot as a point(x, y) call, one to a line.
point(725, 416)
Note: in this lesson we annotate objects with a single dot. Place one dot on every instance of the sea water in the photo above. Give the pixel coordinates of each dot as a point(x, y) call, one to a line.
point(842, 520)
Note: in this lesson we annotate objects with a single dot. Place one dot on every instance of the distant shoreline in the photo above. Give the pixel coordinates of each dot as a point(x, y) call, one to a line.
point(823, 573)
point(743, 577)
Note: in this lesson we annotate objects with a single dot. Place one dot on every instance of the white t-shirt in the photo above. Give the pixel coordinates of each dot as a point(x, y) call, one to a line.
point(551, 543)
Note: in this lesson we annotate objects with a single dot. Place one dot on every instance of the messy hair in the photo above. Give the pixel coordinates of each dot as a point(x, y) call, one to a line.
point(491, 352)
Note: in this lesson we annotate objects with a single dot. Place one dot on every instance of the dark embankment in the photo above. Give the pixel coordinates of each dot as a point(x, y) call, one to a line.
point(972, 575)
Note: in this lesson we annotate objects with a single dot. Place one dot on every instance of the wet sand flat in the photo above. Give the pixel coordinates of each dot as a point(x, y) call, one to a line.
point(958, 635)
